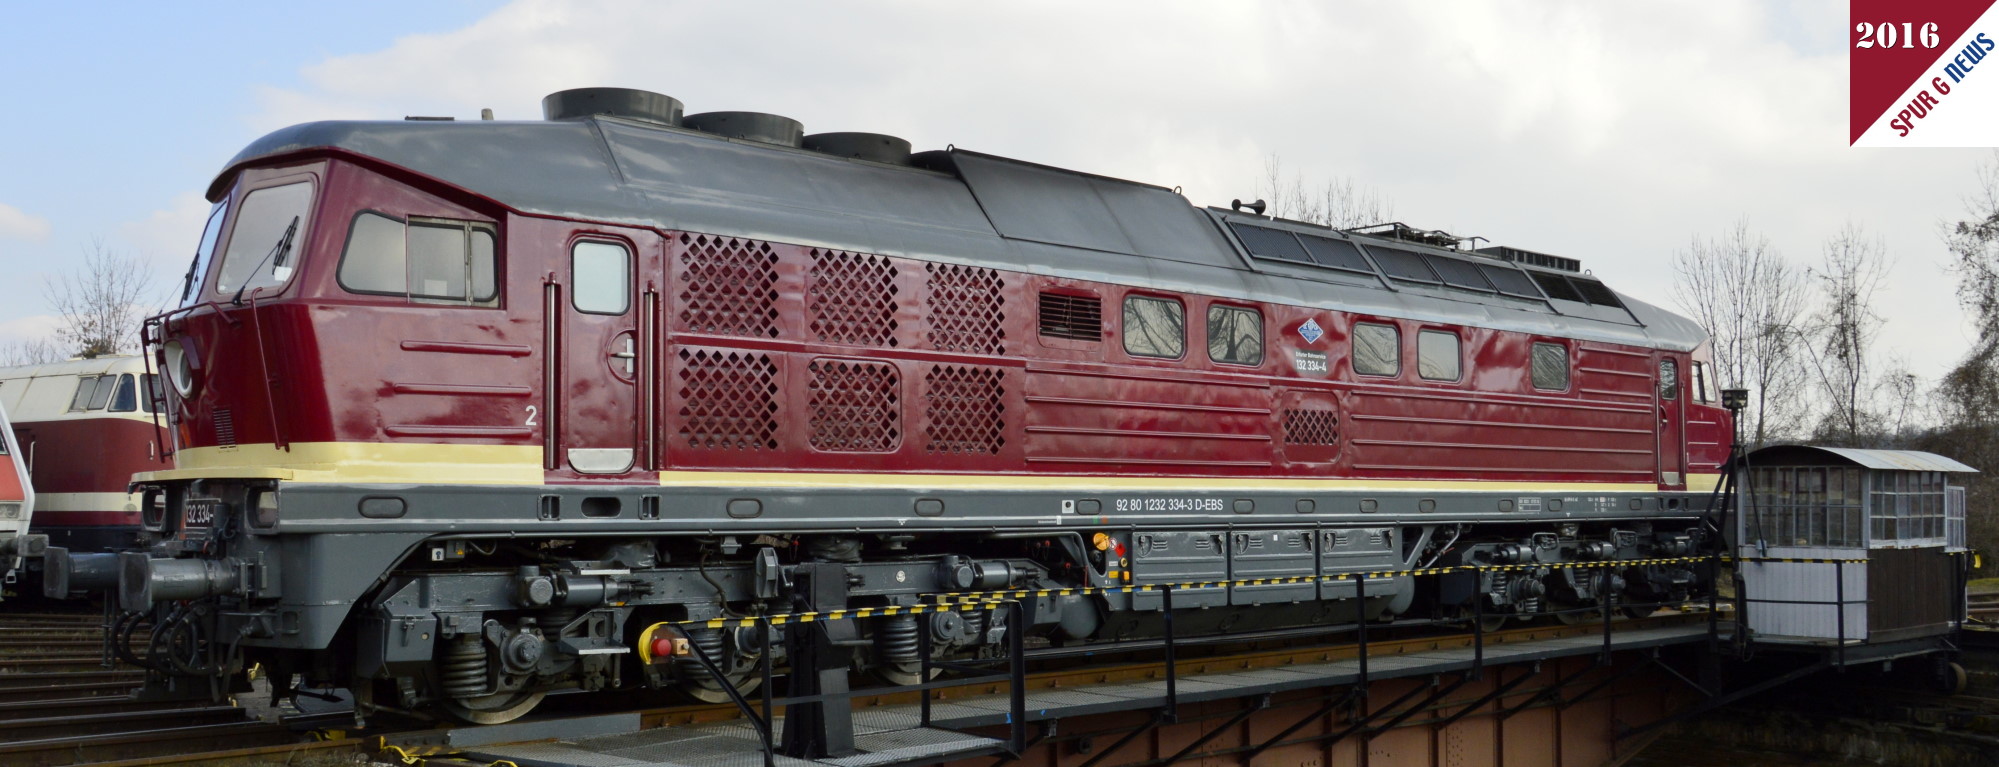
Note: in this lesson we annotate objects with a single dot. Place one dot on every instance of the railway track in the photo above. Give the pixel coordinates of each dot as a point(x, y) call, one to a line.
point(119, 730)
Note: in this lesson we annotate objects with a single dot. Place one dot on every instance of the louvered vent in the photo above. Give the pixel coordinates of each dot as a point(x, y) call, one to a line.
point(856, 406)
point(225, 427)
point(964, 410)
point(728, 286)
point(851, 298)
point(964, 305)
point(729, 400)
point(1311, 427)
point(1067, 316)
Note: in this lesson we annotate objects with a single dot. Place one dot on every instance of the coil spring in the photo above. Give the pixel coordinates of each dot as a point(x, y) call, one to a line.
point(897, 639)
point(709, 643)
point(464, 672)
point(552, 620)
point(975, 627)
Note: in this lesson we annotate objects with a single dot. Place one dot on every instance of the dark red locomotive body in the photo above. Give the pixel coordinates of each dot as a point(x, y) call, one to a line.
point(510, 384)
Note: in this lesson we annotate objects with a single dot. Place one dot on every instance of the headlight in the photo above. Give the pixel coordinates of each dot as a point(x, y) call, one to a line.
point(264, 512)
point(179, 367)
point(153, 509)
point(10, 510)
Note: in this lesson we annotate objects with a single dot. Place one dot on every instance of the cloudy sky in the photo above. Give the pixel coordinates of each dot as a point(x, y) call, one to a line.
point(1609, 132)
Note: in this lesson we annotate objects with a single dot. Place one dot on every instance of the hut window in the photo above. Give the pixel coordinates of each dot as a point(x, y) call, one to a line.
point(1908, 508)
point(1809, 506)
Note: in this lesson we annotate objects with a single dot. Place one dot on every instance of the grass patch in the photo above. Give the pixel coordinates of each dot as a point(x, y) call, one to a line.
point(1983, 584)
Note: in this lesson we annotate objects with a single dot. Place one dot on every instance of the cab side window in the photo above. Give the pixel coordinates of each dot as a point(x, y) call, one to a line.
point(93, 392)
point(426, 260)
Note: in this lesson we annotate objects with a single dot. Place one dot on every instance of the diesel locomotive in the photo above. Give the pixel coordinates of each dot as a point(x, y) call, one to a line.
point(458, 409)
point(85, 426)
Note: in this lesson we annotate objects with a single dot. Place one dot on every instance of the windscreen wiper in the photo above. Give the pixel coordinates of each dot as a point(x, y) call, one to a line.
point(276, 257)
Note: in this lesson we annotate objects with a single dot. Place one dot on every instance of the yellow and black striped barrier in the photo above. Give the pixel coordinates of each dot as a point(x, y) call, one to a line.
point(969, 601)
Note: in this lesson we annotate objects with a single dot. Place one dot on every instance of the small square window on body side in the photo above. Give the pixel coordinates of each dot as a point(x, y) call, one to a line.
point(1235, 335)
point(1154, 327)
point(1437, 357)
point(1377, 350)
point(1550, 366)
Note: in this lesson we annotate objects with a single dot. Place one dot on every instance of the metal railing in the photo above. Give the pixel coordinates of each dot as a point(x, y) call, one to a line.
point(1019, 605)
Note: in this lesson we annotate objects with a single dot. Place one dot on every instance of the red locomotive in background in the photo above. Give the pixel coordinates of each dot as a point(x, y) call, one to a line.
point(538, 384)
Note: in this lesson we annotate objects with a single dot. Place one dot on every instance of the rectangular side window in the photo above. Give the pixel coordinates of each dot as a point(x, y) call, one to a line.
point(85, 386)
point(1550, 367)
point(1669, 379)
point(1235, 335)
point(126, 399)
point(601, 276)
point(152, 392)
point(101, 396)
point(1154, 327)
point(433, 261)
point(1064, 315)
point(1377, 350)
point(1437, 355)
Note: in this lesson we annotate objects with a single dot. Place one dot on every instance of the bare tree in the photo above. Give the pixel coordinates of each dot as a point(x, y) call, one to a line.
point(1339, 202)
point(102, 302)
point(1902, 401)
point(1749, 299)
point(1970, 391)
point(38, 351)
point(1849, 274)
point(1968, 395)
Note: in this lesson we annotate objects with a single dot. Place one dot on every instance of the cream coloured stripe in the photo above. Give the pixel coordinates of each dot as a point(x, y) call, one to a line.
point(398, 463)
point(86, 502)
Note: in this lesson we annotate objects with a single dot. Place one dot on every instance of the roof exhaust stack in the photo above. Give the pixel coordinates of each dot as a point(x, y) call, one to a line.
point(749, 126)
point(630, 103)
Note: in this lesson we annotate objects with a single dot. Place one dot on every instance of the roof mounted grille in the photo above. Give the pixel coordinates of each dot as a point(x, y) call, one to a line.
point(1532, 258)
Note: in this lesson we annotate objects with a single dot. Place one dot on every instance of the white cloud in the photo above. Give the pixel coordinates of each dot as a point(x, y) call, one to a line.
point(1610, 132)
point(22, 225)
point(30, 328)
point(166, 238)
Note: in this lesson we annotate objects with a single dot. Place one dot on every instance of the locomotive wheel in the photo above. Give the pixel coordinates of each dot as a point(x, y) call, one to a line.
point(1570, 617)
point(707, 690)
point(902, 675)
point(1636, 613)
point(1492, 623)
point(497, 708)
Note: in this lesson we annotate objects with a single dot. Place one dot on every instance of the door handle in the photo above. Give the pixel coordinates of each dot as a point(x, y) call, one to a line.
point(630, 353)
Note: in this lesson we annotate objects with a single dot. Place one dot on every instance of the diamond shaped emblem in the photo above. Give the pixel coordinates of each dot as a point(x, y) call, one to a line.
point(1311, 331)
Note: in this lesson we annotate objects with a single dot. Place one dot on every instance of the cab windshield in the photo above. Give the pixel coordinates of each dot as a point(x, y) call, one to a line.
point(189, 287)
point(264, 248)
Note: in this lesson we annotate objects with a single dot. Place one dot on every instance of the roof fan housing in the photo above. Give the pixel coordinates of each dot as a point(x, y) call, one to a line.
point(749, 126)
point(630, 103)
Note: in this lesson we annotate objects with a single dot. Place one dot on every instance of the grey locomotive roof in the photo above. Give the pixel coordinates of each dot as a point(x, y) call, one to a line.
point(963, 207)
point(1893, 460)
